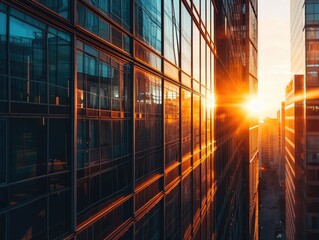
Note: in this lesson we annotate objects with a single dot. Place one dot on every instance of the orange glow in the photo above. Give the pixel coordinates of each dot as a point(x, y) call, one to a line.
point(253, 107)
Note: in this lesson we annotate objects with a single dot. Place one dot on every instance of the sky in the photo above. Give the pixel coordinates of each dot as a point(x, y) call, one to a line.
point(273, 54)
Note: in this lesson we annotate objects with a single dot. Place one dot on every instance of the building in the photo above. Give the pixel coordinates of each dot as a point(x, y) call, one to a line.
point(294, 154)
point(282, 145)
point(115, 121)
point(270, 143)
point(304, 61)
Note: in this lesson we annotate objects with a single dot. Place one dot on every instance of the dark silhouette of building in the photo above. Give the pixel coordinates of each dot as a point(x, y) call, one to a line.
point(121, 119)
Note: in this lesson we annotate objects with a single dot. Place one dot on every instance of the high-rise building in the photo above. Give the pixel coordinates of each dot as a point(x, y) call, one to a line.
point(294, 154)
point(269, 152)
point(304, 61)
point(120, 119)
point(282, 145)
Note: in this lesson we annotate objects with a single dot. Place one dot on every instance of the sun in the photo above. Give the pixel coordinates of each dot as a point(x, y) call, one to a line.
point(253, 107)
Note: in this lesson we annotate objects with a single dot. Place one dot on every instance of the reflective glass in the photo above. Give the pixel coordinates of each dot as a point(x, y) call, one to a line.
point(148, 22)
point(59, 214)
point(196, 52)
point(28, 148)
point(3, 150)
point(172, 128)
point(28, 221)
point(186, 104)
point(173, 214)
point(27, 62)
point(98, 26)
point(118, 10)
point(59, 6)
point(186, 41)
point(59, 66)
point(59, 145)
point(148, 125)
point(3, 50)
point(196, 121)
point(172, 29)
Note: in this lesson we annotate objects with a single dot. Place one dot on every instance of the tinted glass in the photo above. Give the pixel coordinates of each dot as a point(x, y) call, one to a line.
point(148, 22)
point(28, 144)
point(59, 6)
point(3, 149)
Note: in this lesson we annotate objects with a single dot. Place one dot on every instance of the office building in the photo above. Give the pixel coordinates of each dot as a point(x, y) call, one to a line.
point(109, 119)
point(270, 143)
point(304, 61)
point(282, 145)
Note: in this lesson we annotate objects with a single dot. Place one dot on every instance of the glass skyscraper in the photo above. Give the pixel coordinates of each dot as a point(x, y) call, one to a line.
point(114, 122)
point(302, 161)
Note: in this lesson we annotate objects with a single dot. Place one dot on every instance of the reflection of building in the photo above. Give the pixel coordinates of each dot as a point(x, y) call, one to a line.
point(107, 123)
point(304, 61)
point(270, 143)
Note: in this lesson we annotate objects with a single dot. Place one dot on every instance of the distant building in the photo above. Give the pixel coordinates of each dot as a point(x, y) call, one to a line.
point(281, 166)
point(270, 143)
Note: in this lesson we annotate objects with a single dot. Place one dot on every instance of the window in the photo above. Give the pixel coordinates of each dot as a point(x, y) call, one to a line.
point(187, 194)
point(103, 82)
point(148, 22)
point(172, 214)
point(98, 26)
point(28, 148)
point(59, 6)
point(118, 10)
point(59, 66)
point(59, 145)
point(203, 61)
point(186, 105)
point(186, 41)
point(32, 223)
point(3, 57)
point(196, 52)
point(148, 125)
point(196, 122)
point(59, 214)
point(172, 129)
point(172, 30)
point(27, 62)
point(3, 149)
point(150, 226)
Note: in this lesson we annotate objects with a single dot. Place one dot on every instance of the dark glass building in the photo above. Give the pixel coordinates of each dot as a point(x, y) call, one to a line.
point(117, 119)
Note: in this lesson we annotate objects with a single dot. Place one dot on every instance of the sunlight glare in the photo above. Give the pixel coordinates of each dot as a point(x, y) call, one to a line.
point(253, 107)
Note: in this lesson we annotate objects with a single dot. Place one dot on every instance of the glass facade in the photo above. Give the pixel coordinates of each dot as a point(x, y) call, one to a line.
point(107, 121)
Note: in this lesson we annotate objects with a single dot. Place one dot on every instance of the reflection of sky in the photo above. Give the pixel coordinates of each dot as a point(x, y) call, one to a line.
point(21, 29)
point(3, 23)
point(274, 53)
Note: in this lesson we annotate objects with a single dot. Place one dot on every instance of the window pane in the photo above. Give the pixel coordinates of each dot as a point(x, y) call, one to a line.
point(186, 41)
point(172, 134)
point(196, 121)
point(59, 61)
point(3, 149)
point(148, 22)
point(59, 148)
point(196, 52)
point(186, 123)
point(28, 148)
point(148, 126)
point(3, 46)
point(28, 221)
point(59, 214)
point(27, 58)
point(172, 29)
point(59, 6)
point(173, 214)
